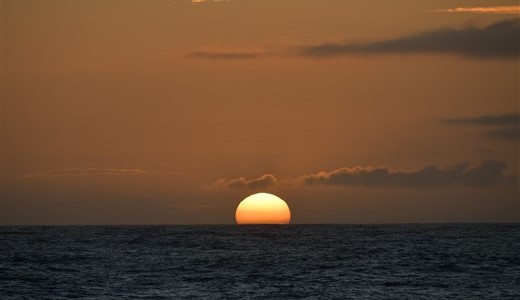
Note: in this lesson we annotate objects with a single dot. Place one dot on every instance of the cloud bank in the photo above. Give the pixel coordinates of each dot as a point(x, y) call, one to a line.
point(513, 9)
point(498, 40)
point(488, 173)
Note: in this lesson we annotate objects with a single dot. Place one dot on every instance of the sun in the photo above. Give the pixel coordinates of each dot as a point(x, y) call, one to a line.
point(263, 208)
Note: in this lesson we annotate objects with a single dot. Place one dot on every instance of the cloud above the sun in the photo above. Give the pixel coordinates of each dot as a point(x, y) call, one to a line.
point(261, 182)
point(488, 173)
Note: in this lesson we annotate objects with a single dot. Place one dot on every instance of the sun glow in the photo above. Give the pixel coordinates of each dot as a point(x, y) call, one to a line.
point(263, 208)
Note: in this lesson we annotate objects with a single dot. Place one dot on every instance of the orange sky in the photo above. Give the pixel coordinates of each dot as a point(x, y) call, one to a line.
point(172, 112)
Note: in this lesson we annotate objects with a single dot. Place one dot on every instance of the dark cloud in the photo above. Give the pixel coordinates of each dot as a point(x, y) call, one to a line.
point(498, 40)
point(261, 182)
point(488, 173)
point(499, 120)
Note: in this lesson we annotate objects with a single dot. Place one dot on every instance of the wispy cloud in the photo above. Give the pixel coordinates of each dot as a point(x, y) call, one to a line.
point(507, 126)
point(75, 172)
point(261, 182)
point(513, 9)
point(498, 40)
point(227, 53)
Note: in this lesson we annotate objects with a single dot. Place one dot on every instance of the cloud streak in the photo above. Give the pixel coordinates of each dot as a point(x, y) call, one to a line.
point(226, 53)
point(498, 40)
point(488, 120)
point(513, 9)
point(78, 172)
point(508, 125)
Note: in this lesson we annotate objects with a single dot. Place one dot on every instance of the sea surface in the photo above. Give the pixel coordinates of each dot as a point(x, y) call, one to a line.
point(475, 261)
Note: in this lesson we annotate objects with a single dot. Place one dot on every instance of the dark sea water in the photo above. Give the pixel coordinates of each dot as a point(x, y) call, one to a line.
point(261, 262)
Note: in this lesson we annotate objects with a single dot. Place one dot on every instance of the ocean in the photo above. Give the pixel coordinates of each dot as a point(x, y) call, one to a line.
point(449, 261)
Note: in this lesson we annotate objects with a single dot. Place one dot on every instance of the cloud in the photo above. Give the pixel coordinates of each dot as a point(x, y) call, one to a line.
point(261, 182)
point(503, 119)
point(514, 9)
point(488, 173)
point(508, 125)
point(227, 53)
point(498, 40)
point(75, 172)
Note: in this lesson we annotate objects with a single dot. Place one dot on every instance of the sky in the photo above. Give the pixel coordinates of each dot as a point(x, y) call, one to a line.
point(173, 111)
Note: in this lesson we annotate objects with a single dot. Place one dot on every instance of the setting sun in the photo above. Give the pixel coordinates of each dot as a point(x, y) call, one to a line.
point(263, 208)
